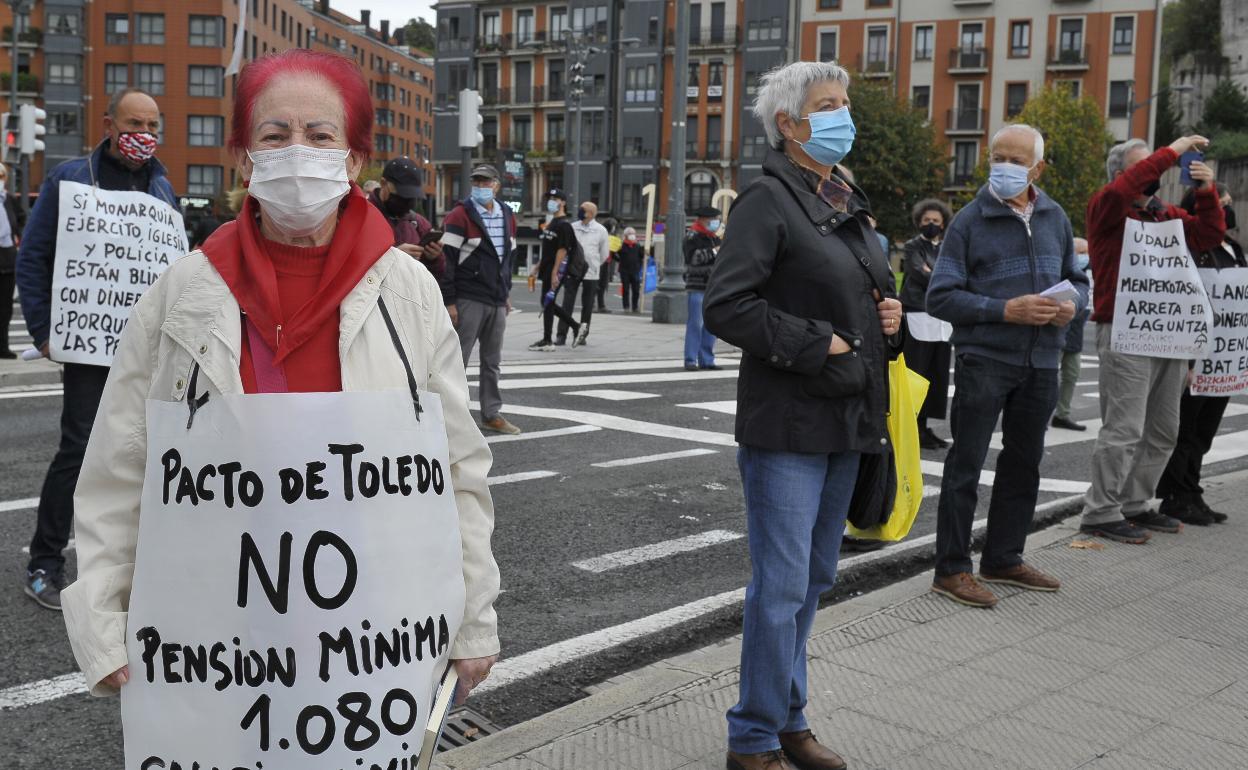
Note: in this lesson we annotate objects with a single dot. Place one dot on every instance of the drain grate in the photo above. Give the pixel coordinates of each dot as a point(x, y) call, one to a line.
point(463, 726)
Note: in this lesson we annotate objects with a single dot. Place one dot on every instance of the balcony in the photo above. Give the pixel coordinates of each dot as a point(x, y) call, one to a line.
point(556, 92)
point(964, 122)
point(32, 37)
point(709, 37)
point(1068, 59)
point(494, 43)
point(27, 83)
point(454, 44)
point(875, 67)
point(969, 60)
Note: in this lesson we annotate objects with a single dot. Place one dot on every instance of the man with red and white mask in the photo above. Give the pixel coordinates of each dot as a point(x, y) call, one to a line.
point(124, 160)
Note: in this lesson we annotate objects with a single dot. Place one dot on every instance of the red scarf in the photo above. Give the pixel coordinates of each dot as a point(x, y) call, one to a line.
point(698, 227)
point(236, 250)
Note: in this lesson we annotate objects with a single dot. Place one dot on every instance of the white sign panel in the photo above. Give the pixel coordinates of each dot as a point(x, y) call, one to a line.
point(1161, 309)
point(1224, 372)
point(298, 583)
point(110, 246)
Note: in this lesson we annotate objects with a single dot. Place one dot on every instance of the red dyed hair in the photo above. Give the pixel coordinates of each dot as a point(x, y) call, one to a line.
point(341, 72)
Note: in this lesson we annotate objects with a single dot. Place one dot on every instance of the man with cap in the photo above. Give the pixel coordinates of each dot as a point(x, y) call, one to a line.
point(396, 197)
point(476, 286)
point(701, 247)
point(595, 248)
point(562, 264)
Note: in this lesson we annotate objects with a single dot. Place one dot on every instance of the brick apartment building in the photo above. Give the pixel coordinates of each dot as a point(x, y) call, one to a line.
point(75, 54)
point(971, 63)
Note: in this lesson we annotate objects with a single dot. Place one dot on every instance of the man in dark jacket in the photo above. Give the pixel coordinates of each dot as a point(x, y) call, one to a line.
point(701, 247)
point(632, 258)
point(11, 223)
point(479, 241)
point(1006, 247)
point(396, 197)
point(125, 160)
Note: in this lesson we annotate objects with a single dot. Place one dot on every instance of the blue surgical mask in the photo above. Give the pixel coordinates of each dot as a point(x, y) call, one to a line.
point(832, 135)
point(483, 195)
point(552, 206)
point(713, 225)
point(1081, 260)
point(1008, 180)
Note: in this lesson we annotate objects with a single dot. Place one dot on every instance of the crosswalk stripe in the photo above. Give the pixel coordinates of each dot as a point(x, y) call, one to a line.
point(42, 691)
point(19, 505)
point(654, 458)
point(511, 478)
point(528, 436)
point(645, 553)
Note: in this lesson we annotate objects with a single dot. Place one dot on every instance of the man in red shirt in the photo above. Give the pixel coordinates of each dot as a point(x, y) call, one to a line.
point(1139, 395)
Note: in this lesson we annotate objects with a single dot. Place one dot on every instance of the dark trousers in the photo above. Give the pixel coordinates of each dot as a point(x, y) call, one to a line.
point(1024, 398)
point(554, 308)
point(632, 289)
point(8, 282)
point(589, 291)
point(1199, 419)
point(83, 387)
point(604, 281)
point(931, 360)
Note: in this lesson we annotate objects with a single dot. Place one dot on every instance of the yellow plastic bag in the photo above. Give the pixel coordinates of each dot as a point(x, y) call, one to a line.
point(907, 390)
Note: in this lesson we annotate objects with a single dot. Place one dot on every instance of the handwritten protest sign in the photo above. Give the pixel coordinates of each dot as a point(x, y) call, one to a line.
point(298, 583)
point(110, 246)
point(1162, 309)
point(1224, 372)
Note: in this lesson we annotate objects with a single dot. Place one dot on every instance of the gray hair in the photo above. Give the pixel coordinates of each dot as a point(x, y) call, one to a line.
point(1038, 150)
point(1116, 162)
point(784, 89)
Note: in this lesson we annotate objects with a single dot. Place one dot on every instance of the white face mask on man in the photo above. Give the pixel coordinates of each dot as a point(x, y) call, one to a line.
point(298, 187)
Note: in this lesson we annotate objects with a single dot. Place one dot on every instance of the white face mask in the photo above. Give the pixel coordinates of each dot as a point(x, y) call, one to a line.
point(299, 187)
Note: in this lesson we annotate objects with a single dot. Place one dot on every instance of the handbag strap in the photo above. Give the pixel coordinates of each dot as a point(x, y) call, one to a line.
point(398, 346)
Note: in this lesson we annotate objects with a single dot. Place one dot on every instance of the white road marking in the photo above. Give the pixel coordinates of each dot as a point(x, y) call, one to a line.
point(612, 395)
point(31, 393)
point(1228, 446)
point(1057, 437)
point(19, 505)
point(628, 425)
point(571, 430)
point(644, 553)
point(986, 477)
point(1093, 395)
point(44, 690)
point(654, 458)
point(611, 379)
point(568, 367)
point(511, 478)
point(723, 407)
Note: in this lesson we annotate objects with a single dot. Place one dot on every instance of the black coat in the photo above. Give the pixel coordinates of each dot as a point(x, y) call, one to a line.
point(17, 220)
point(918, 253)
point(788, 276)
point(700, 251)
point(632, 258)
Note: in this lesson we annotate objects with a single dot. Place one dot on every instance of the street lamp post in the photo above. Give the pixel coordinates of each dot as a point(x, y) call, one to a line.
point(670, 303)
point(1132, 105)
point(18, 7)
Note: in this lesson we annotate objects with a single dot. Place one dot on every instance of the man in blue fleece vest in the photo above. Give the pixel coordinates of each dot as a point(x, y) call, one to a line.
point(1006, 247)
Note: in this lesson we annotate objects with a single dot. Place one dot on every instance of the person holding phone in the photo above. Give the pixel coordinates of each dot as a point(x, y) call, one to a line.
point(396, 199)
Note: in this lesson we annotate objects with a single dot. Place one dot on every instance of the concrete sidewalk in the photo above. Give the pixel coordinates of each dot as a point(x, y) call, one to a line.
point(1140, 661)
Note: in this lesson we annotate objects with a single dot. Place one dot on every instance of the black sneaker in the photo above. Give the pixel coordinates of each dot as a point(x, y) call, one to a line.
point(1185, 511)
point(1220, 518)
point(1121, 531)
point(541, 344)
point(45, 589)
point(1158, 522)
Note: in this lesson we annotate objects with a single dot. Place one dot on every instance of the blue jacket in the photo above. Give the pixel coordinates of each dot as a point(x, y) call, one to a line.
point(988, 256)
point(37, 256)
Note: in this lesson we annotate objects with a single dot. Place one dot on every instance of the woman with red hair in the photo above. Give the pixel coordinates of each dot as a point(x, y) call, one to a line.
point(302, 298)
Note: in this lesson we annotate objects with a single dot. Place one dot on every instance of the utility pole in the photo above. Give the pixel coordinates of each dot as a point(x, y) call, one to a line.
point(671, 306)
point(18, 7)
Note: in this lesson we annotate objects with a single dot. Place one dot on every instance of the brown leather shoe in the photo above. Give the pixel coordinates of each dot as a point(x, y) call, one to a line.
point(1023, 576)
point(500, 425)
point(768, 760)
point(963, 588)
point(806, 753)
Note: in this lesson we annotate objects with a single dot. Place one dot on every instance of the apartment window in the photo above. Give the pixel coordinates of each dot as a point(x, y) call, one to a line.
point(64, 122)
point(634, 147)
point(384, 117)
point(117, 29)
point(754, 147)
point(1075, 87)
point(592, 133)
point(714, 136)
point(521, 132)
point(923, 37)
point(383, 143)
point(556, 137)
point(1020, 39)
point(205, 130)
point(699, 188)
point(879, 3)
point(1015, 99)
point(1124, 34)
point(206, 81)
point(116, 77)
point(692, 87)
point(965, 158)
point(63, 70)
point(827, 45)
point(717, 22)
point(652, 31)
point(630, 198)
point(829, 5)
point(203, 180)
point(1119, 98)
point(524, 26)
point(921, 97)
point(489, 129)
point(972, 37)
point(715, 81)
point(64, 22)
point(150, 77)
point(151, 28)
point(1070, 39)
point(765, 29)
point(877, 49)
point(591, 21)
point(640, 83)
point(751, 83)
point(207, 31)
point(490, 28)
point(691, 136)
point(558, 22)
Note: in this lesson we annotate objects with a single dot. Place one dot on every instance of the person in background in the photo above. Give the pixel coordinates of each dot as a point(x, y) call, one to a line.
point(1182, 496)
point(595, 248)
point(561, 263)
point(396, 196)
point(206, 226)
point(1072, 353)
point(881, 237)
point(11, 223)
point(632, 260)
point(701, 247)
point(608, 267)
point(370, 186)
point(929, 358)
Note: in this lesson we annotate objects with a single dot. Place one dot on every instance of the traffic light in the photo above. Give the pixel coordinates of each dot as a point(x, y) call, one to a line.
point(31, 129)
point(470, 121)
point(10, 123)
point(577, 79)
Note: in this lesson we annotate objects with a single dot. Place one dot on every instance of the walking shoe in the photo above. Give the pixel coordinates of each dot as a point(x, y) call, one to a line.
point(6, 353)
point(1158, 522)
point(710, 367)
point(581, 336)
point(861, 544)
point(929, 440)
point(1186, 511)
point(1217, 517)
point(691, 367)
point(1023, 576)
point(1121, 531)
point(768, 760)
point(541, 344)
point(500, 425)
point(963, 588)
point(1065, 423)
point(45, 589)
point(806, 753)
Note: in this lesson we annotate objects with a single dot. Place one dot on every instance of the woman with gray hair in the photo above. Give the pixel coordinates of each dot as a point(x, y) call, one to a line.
point(803, 288)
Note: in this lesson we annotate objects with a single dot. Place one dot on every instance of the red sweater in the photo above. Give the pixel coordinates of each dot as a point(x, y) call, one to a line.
point(1114, 204)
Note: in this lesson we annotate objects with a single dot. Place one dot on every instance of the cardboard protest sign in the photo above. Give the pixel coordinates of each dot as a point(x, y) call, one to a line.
point(1162, 309)
point(110, 246)
point(298, 583)
point(1224, 371)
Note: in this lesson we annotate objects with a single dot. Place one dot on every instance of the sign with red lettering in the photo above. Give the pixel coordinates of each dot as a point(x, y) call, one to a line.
point(1224, 372)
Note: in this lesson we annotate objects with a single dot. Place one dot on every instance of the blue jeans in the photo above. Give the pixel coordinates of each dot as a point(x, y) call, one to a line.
point(795, 505)
point(1024, 399)
point(699, 343)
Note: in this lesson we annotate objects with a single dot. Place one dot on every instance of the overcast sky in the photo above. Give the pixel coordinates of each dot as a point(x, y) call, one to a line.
point(397, 11)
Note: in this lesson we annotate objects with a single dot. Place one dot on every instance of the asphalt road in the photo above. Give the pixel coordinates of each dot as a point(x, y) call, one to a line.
point(566, 510)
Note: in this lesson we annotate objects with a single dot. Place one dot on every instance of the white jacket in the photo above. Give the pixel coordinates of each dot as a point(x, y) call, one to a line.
point(595, 245)
point(189, 316)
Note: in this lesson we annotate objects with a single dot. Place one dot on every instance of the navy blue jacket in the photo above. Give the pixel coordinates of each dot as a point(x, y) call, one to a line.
point(989, 256)
point(37, 256)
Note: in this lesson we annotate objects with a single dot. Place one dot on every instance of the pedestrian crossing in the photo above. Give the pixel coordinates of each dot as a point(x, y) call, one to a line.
point(19, 336)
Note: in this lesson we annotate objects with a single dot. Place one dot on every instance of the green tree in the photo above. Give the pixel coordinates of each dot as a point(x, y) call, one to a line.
point(1195, 27)
point(1166, 128)
point(1226, 109)
point(897, 159)
point(419, 33)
